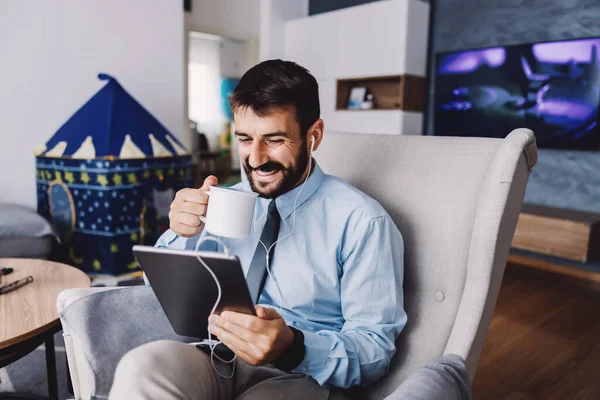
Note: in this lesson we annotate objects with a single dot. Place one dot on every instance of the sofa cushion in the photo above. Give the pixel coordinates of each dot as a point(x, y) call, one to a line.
point(19, 221)
point(24, 233)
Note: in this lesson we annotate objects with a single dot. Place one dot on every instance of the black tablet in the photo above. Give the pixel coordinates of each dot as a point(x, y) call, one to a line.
point(186, 290)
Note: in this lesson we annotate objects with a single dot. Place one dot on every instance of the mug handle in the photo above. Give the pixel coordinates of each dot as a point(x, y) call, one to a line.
point(202, 217)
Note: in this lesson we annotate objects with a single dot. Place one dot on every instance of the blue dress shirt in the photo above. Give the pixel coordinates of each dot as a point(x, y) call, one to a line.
point(340, 273)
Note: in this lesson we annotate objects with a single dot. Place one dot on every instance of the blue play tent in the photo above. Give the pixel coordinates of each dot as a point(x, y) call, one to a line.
point(106, 178)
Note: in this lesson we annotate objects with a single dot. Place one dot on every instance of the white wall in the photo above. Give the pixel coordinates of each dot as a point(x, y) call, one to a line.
point(51, 54)
point(230, 54)
point(273, 14)
point(233, 19)
point(236, 19)
point(233, 58)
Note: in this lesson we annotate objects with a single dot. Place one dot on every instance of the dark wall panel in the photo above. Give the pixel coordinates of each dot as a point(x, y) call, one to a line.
point(482, 23)
point(323, 6)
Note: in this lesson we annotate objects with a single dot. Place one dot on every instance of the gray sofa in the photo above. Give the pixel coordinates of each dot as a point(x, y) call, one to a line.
point(456, 202)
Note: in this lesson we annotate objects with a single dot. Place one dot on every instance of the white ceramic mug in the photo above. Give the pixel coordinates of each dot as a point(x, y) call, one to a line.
point(230, 212)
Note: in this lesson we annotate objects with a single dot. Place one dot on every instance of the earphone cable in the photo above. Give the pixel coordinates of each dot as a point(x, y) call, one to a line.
point(211, 343)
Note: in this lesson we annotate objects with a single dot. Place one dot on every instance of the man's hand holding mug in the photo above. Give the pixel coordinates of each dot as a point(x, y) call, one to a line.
point(188, 206)
point(230, 212)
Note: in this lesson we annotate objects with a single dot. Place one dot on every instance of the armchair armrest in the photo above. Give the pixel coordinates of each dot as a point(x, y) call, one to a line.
point(100, 325)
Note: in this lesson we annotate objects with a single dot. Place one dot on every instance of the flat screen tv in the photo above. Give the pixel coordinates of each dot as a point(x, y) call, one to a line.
point(552, 88)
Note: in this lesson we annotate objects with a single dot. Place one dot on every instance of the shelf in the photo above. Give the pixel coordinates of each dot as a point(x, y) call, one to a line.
point(394, 92)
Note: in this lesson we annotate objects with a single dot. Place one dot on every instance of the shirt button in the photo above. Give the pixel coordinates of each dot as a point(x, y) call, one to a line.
point(439, 296)
point(305, 369)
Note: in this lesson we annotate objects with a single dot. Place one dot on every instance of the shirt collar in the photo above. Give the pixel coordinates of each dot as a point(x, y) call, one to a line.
point(285, 202)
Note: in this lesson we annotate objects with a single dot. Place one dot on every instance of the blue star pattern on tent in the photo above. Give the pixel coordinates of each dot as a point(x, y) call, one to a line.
point(113, 206)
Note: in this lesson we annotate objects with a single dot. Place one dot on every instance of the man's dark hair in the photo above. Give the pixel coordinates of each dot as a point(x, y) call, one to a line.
point(279, 84)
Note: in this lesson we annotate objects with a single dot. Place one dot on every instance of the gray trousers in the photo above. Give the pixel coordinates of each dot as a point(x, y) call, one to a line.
point(170, 370)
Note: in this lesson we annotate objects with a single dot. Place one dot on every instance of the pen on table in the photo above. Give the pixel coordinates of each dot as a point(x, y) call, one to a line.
point(15, 285)
point(6, 271)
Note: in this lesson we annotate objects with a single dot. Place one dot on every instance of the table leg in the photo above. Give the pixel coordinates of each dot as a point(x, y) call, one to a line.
point(51, 368)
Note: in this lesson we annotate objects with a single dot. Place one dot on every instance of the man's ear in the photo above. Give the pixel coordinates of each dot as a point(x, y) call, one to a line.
point(315, 133)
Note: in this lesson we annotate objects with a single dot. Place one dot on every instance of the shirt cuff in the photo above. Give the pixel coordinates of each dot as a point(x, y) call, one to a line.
point(294, 354)
point(316, 352)
point(171, 240)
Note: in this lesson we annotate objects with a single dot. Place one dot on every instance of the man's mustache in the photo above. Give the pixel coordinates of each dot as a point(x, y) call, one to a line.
point(267, 167)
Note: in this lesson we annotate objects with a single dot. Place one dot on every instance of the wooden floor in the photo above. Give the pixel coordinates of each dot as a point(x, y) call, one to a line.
point(544, 339)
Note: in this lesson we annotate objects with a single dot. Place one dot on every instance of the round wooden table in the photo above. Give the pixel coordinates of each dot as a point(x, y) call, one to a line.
point(28, 315)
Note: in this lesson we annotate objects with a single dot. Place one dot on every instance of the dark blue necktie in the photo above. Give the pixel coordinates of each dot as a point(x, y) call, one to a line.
point(257, 273)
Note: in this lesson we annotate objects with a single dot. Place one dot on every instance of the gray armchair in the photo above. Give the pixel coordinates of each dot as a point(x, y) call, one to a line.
point(456, 202)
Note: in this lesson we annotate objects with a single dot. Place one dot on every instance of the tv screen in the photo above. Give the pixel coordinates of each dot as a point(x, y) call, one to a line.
point(551, 88)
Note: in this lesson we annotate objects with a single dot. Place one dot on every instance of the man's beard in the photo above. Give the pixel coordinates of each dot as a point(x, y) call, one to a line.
point(290, 179)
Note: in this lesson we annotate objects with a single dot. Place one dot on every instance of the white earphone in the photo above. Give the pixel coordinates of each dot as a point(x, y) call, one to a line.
point(312, 145)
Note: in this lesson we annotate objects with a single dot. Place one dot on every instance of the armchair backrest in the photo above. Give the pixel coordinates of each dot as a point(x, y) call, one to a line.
point(456, 202)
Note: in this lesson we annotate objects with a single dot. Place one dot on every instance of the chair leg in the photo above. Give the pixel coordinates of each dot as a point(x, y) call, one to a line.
point(69, 381)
